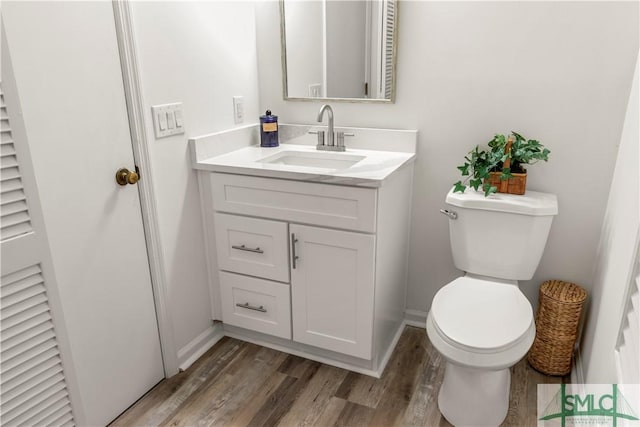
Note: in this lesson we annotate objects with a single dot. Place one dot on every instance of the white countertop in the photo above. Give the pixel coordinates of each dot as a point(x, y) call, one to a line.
point(237, 151)
point(368, 172)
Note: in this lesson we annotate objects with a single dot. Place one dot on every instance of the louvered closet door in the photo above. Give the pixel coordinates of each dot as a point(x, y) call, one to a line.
point(33, 388)
point(628, 345)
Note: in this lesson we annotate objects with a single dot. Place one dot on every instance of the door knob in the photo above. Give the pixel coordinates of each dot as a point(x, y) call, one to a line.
point(124, 176)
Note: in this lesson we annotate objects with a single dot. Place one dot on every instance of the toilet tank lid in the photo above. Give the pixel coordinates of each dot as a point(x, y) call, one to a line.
point(531, 203)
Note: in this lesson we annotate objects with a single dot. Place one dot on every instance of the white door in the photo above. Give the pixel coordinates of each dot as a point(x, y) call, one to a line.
point(66, 63)
point(332, 288)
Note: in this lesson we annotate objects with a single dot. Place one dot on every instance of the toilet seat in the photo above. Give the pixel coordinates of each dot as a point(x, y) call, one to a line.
point(481, 323)
point(481, 315)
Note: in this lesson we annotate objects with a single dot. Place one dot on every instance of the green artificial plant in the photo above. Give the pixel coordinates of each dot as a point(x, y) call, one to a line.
point(479, 163)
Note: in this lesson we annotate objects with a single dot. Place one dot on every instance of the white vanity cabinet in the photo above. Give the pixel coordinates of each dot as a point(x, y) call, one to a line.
point(320, 268)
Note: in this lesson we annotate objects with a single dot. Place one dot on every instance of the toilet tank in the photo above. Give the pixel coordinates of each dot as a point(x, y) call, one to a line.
point(501, 236)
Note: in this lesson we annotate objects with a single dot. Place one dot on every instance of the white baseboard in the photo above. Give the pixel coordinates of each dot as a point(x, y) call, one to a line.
point(577, 372)
point(199, 345)
point(387, 355)
point(417, 318)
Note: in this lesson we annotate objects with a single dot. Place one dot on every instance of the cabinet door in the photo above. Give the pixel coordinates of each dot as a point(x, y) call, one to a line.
point(332, 288)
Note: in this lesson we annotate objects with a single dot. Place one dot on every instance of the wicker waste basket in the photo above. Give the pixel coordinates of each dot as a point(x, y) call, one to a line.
point(557, 322)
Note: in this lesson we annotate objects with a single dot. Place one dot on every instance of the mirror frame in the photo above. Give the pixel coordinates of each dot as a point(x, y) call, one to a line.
point(394, 72)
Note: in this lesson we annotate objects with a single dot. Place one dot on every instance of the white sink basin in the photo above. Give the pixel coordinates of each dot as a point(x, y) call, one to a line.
point(323, 160)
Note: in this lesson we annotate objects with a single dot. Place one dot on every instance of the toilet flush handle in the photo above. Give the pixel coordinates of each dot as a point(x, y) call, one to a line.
point(450, 214)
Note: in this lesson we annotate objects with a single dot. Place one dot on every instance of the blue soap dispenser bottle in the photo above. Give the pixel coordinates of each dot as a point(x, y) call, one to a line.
point(268, 130)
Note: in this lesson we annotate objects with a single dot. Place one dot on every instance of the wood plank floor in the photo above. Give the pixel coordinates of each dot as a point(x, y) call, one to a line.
point(241, 384)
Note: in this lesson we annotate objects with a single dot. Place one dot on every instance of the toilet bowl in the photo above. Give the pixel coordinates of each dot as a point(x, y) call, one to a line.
point(481, 323)
point(481, 327)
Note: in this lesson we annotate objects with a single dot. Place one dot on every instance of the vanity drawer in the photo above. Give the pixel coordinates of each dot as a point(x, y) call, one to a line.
point(336, 206)
point(256, 304)
point(257, 247)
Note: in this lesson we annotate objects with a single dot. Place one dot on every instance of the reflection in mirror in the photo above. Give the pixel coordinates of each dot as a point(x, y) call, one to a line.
point(339, 49)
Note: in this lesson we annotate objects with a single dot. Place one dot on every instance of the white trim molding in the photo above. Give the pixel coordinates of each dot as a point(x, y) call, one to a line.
point(135, 108)
point(417, 318)
point(199, 345)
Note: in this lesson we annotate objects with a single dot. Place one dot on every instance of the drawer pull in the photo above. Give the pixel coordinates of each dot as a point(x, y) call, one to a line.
point(261, 309)
point(244, 248)
point(294, 257)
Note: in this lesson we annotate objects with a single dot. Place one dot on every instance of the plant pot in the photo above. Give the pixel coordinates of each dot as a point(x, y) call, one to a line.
point(515, 185)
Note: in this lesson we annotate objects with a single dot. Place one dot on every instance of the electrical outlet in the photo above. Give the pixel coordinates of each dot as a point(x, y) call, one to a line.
point(314, 90)
point(238, 109)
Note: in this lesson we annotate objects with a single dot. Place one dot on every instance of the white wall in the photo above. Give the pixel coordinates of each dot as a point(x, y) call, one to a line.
point(614, 260)
point(559, 72)
point(200, 54)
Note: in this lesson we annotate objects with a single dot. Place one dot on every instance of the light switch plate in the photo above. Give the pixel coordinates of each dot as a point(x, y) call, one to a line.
point(167, 119)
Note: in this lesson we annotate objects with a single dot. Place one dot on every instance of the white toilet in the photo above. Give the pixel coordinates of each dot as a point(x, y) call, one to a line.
point(482, 323)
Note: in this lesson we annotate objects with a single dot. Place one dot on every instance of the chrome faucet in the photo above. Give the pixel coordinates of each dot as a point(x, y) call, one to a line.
point(329, 110)
point(335, 140)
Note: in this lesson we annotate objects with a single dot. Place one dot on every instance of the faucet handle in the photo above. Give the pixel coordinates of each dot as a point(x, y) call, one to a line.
point(320, 134)
point(340, 138)
point(320, 138)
